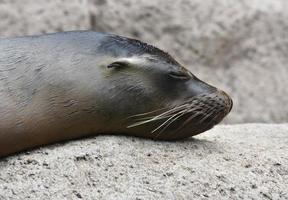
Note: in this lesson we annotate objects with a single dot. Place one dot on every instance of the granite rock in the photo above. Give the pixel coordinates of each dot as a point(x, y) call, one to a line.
point(228, 162)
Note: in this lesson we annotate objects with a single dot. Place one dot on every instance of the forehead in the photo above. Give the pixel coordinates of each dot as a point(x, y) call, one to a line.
point(153, 62)
point(118, 46)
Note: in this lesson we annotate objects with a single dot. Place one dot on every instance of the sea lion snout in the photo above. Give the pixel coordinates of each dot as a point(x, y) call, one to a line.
point(211, 104)
point(215, 106)
point(226, 100)
point(197, 87)
point(208, 94)
point(203, 107)
point(201, 113)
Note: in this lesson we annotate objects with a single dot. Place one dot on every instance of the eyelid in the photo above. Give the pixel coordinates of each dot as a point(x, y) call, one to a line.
point(179, 75)
point(117, 64)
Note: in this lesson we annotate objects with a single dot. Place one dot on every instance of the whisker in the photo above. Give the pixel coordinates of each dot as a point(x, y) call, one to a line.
point(146, 113)
point(173, 110)
point(167, 125)
point(194, 106)
point(140, 123)
point(207, 116)
point(170, 118)
point(163, 123)
point(188, 120)
point(204, 118)
point(212, 120)
point(158, 117)
point(154, 118)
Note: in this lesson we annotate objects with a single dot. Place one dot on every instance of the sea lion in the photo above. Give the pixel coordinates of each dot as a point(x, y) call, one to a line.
point(67, 85)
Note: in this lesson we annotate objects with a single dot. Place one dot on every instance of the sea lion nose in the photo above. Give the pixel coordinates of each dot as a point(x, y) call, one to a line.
point(199, 87)
point(225, 100)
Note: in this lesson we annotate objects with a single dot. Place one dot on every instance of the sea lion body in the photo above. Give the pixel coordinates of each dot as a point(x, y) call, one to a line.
point(62, 86)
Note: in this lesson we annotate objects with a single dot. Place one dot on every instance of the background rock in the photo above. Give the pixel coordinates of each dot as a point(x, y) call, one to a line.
point(240, 46)
point(228, 162)
point(28, 17)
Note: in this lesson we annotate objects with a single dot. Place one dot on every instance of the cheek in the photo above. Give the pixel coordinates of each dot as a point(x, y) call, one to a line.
point(127, 89)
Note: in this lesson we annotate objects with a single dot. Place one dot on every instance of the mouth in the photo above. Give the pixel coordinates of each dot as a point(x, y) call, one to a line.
point(196, 115)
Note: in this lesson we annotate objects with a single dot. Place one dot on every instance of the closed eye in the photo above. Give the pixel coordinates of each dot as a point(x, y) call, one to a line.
point(179, 75)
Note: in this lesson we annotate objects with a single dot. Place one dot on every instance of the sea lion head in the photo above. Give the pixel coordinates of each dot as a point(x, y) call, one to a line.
point(154, 95)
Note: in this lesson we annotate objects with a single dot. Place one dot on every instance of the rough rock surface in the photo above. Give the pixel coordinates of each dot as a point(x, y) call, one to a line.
point(229, 162)
point(28, 17)
point(239, 45)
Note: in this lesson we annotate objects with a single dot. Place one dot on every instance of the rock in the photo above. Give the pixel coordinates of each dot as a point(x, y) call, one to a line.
point(229, 162)
point(27, 17)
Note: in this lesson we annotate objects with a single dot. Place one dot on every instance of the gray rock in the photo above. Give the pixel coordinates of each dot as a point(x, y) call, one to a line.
point(28, 17)
point(228, 162)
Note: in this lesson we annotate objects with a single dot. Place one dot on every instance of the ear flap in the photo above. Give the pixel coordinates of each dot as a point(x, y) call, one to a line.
point(117, 64)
